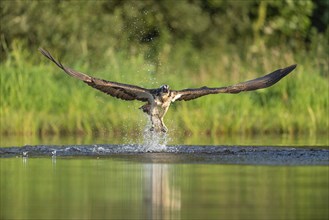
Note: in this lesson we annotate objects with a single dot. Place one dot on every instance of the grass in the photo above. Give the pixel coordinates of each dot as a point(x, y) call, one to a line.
point(38, 99)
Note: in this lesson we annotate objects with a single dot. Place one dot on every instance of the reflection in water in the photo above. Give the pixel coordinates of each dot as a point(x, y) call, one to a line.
point(107, 188)
point(53, 162)
point(237, 139)
point(24, 159)
point(162, 197)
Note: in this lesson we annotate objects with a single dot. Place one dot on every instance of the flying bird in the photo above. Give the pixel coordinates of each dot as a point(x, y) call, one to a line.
point(157, 101)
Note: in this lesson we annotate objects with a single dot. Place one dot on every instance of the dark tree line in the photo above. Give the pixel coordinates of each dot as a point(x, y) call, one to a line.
point(126, 24)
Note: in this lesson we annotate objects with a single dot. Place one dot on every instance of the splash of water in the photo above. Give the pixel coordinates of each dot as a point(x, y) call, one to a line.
point(154, 141)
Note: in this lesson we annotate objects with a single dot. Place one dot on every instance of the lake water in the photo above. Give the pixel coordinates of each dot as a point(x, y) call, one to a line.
point(248, 140)
point(132, 187)
point(116, 188)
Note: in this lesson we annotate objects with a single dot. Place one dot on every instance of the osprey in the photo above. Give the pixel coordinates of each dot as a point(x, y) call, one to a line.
point(158, 100)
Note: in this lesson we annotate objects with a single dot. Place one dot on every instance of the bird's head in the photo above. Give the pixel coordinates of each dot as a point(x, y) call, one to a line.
point(164, 89)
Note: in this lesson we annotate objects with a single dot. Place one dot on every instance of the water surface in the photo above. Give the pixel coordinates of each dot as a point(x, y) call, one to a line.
point(120, 188)
point(118, 181)
point(172, 139)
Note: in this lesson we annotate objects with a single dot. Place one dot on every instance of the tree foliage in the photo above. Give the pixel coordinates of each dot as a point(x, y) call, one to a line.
point(101, 26)
point(187, 43)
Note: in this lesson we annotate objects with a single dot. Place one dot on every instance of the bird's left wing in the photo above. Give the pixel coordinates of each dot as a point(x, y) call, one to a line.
point(118, 90)
point(258, 83)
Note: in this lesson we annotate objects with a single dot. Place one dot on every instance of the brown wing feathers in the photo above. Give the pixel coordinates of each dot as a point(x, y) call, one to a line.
point(261, 82)
point(69, 71)
point(258, 83)
point(118, 90)
point(131, 92)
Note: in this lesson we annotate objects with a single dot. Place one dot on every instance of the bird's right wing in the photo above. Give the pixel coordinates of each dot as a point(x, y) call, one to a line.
point(118, 90)
point(258, 83)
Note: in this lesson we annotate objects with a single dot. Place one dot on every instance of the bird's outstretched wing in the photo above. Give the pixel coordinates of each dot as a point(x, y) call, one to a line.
point(118, 90)
point(258, 83)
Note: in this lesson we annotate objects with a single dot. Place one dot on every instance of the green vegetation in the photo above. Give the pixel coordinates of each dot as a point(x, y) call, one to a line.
point(144, 43)
point(41, 99)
